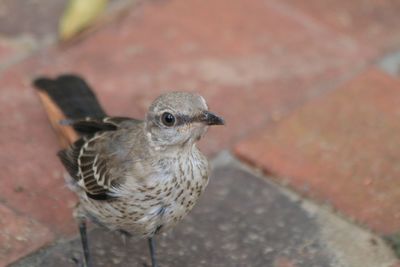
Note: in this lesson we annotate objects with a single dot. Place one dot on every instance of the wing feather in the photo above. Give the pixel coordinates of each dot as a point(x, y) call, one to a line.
point(87, 160)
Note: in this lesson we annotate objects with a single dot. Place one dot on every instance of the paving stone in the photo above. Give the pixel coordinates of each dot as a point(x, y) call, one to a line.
point(391, 63)
point(32, 178)
point(373, 22)
point(341, 149)
point(231, 227)
point(19, 235)
point(245, 71)
point(40, 17)
point(241, 68)
point(131, 61)
point(230, 51)
point(394, 241)
point(40, 22)
point(6, 51)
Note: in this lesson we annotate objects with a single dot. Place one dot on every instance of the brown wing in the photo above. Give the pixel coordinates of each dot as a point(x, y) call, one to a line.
point(90, 159)
point(93, 167)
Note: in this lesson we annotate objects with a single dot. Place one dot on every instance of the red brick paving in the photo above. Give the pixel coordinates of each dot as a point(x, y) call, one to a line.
point(7, 51)
point(32, 178)
point(254, 61)
point(372, 22)
point(19, 236)
point(243, 70)
point(224, 55)
point(341, 149)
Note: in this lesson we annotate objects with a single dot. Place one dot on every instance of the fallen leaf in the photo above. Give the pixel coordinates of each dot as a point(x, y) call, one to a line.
point(78, 15)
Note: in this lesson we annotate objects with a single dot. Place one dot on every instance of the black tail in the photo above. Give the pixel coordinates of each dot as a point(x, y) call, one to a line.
point(72, 95)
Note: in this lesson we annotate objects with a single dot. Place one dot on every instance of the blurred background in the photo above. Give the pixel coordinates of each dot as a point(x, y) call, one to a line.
point(310, 91)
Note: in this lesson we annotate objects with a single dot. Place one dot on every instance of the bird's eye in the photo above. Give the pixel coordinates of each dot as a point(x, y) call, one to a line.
point(168, 119)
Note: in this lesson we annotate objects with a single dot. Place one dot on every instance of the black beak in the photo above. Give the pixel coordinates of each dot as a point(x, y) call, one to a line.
point(210, 118)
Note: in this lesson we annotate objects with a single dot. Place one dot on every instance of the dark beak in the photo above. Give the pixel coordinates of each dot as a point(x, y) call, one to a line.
point(210, 118)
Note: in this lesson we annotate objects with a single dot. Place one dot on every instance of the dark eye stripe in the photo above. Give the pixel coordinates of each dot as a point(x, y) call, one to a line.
point(183, 119)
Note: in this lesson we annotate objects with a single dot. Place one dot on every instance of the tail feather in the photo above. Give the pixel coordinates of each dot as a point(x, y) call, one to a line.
point(68, 97)
point(72, 95)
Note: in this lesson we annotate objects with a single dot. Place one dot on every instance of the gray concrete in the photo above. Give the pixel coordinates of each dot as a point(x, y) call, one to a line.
point(391, 63)
point(242, 220)
point(31, 24)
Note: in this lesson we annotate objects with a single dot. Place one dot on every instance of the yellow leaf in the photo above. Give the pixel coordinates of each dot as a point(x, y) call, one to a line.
point(78, 15)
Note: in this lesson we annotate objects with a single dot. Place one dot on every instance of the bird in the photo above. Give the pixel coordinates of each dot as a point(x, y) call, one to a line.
point(136, 177)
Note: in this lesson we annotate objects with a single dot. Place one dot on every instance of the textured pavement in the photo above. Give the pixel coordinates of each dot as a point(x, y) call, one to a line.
point(242, 220)
point(309, 90)
point(303, 150)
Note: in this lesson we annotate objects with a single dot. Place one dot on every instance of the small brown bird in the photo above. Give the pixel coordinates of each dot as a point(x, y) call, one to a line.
point(136, 177)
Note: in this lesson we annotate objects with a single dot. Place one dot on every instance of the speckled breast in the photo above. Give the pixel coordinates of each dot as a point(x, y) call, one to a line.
point(153, 208)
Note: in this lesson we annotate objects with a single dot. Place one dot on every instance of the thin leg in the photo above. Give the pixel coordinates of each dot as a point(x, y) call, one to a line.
point(152, 246)
point(85, 246)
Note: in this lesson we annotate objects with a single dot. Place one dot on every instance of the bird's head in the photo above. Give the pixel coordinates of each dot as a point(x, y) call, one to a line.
point(179, 118)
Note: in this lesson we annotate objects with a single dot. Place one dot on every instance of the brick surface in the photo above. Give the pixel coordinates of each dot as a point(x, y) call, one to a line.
point(40, 18)
point(32, 178)
point(373, 22)
point(19, 236)
point(39, 26)
point(244, 70)
point(228, 228)
point(231, 227)
point(7, 51)
point(341, 149)
point(232, 52)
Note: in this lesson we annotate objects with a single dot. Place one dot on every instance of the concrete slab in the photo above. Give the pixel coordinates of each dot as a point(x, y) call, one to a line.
point(391, 63)
point(242, 220)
